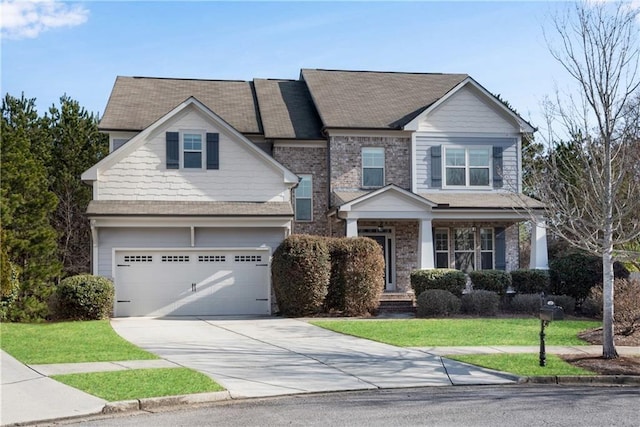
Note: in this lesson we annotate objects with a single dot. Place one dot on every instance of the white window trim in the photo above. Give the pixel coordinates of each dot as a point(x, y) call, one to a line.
point(310, 176)
point(384, 161)
point(439, 251)
point(466, 149)
point(203, 151)
point(473, 251)
point(493, 246)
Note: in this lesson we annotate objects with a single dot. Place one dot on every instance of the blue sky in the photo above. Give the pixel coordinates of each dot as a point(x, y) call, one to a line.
point(78, 48)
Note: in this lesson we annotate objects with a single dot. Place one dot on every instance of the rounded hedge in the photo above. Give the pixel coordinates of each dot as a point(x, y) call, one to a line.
point(526, 303)
point(437, 302)
point(480, 303)
point(357, 275)
point(447, 279)
point(300, 271)
point(85, 297)
point(491, 280)
point(530, 281)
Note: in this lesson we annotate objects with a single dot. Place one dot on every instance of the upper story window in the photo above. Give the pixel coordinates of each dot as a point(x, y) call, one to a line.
point(304, 199)
point(118, 142)
point(373, 167)
point(467, 167)
point(192, 149)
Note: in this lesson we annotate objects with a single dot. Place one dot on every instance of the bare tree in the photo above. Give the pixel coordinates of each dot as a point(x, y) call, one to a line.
point(590, 182)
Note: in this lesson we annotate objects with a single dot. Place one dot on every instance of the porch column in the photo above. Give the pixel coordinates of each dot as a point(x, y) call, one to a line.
point(539, 257)
point(352, 227)
point(425, 245)
point(94, 247)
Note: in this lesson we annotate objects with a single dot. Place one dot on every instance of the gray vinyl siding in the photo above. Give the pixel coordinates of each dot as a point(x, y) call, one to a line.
point(180, 237)
point(423, 156)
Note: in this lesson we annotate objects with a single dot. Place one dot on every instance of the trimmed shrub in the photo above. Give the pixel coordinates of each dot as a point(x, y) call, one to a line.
point(85, 297)
point(357, 275)
point(480, 303)
point(530, 281)
point(626, 310)
point(300, 271)
point(565, 301)
point(526, 303)
point(575, 273)
point(447, 279)
point(437, 302)
point(491, 280)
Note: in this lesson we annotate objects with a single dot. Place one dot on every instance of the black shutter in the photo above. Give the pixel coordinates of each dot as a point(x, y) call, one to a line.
point(173, 150)
point(501, 249)
point(436, 166)
point(213, 151)
point(498, 171)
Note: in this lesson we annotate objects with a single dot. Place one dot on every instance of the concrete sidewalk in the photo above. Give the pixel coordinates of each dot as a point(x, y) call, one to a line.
point(28, 396)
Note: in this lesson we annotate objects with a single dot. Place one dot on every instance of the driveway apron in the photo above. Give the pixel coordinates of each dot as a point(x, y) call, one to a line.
point(255, 357)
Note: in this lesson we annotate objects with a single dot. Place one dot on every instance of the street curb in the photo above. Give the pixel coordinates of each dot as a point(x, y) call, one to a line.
point(150, 403)
point(612, 380)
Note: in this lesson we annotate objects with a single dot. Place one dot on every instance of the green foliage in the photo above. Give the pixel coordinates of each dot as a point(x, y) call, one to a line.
point(437, 302)
point(567, 303)
point(10, 285)
point(530, 281)
point(526, 365)
point(526, 303)
point(480, 303)
point(439, 278)
point(300, 271)
point(574, 273)
point(85, 297)
point(626, 305)
point(74, 145)
point(491, 280)
point(357, 275)
point(26, 204)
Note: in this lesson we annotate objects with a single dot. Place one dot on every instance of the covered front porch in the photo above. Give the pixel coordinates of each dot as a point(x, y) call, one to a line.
point(416, 232)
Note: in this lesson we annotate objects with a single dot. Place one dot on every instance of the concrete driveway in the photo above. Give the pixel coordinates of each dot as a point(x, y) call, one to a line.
point(253, 357)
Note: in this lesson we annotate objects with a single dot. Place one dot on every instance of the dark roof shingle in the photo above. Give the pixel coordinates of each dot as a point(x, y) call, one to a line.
point(374, 100)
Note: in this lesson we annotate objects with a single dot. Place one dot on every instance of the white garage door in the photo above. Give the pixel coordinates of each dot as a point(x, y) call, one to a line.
point(192, 282)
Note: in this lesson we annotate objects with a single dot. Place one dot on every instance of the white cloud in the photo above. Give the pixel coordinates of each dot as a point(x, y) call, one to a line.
point(21, 19)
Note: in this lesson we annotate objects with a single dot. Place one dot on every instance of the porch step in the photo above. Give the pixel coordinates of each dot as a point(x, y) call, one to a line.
point(396, 303)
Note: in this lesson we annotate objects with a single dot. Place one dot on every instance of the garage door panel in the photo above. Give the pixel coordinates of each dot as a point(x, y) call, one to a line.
point(208, 282)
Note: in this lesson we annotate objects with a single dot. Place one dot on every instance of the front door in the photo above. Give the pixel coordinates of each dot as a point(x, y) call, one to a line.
point(384, 237)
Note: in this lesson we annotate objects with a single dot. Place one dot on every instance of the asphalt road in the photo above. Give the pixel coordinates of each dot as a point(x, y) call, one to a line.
point(435, 406)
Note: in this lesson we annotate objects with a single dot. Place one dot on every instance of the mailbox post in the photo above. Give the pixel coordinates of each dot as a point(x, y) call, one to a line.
point(548, 312)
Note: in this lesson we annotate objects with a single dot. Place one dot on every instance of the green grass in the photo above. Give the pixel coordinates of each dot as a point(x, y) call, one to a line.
point(526, 365)
point(460, 332)
point(67, 342)
point(140, 383)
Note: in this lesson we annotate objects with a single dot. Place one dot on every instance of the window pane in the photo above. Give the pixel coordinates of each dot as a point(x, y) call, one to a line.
point(193, 142)
point(478, 176)
point(373, 157)
point(464, 240)
point(442, 240)
point(455, 157)
point(486, 239)
point(442, 260)
point(487, 260)
point(192, 160)
point(372, 177)
point(464, 261)
point(303, 190)
point(478, 157)
point(455, 176)
point(303, 209)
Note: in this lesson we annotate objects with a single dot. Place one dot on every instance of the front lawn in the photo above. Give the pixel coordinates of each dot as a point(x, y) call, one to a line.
point(140, 383)
point(67, 342)
point(460, 332)
point(526, 365)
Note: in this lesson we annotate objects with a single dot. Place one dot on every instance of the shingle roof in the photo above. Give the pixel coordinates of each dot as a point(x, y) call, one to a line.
point(136, 102)
point(160, 208)
point(377, 100)
point(287, 109)
point(459, 200)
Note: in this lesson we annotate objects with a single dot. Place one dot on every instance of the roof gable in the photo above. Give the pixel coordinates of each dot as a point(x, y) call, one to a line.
point(140, 139)
point(483, 95)
point(391, 198)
